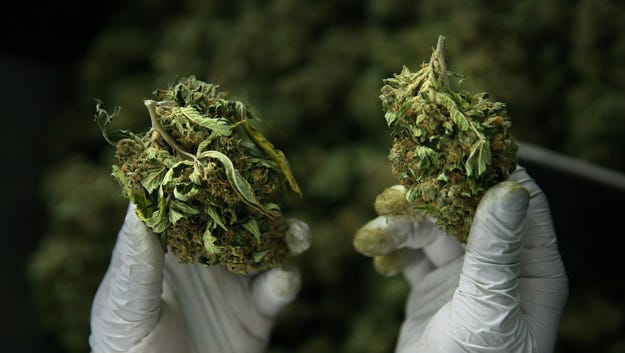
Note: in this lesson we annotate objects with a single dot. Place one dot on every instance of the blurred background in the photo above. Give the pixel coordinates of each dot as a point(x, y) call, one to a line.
point(313, 71)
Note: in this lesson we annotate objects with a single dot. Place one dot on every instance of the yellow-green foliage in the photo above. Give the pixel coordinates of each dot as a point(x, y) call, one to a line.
point(314, 70)
point(203, 179)
point(449, 146)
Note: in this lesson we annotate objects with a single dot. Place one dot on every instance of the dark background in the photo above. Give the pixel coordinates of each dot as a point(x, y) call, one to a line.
point(42, 45)
point(41, 49)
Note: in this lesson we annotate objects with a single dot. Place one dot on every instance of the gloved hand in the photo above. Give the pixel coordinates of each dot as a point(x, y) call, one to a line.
point(149, 302)
point(504, 292)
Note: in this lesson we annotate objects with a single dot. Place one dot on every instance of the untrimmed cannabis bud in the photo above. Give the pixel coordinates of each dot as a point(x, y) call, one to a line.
point(204, 180)
point(449, 146)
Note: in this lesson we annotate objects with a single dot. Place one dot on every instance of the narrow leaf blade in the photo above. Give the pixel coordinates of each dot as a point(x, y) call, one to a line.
point(275, 154)
point(239, 184)
point(252, 227)
point(219, 127)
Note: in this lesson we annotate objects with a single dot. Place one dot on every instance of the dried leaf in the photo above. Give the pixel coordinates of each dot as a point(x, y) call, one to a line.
point(238, 183)
point(219, 127)
point(215, 217)
point(441, 149)
point(209, 242)
point(252, 227)
point(275, 154)
point(153, 178)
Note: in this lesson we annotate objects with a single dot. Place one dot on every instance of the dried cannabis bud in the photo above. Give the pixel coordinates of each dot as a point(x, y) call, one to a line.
point(449, 146)
point(203, 179)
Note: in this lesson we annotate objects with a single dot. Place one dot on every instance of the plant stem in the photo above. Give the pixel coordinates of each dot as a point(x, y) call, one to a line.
point(157, 127)
point(438, 57)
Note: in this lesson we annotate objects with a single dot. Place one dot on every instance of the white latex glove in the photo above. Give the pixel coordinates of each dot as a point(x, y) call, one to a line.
point(148, 302)
point(505, 293)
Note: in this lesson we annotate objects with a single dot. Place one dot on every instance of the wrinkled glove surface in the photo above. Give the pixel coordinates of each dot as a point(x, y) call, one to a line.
point(503, 292)
point(148, 302)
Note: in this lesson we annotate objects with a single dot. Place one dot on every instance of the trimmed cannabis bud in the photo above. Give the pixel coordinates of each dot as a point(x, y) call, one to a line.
point(449, 146)
point(203, 179)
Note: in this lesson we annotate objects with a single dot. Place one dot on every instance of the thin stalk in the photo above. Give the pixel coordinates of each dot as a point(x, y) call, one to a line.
point(157, 127)
point(439, 57)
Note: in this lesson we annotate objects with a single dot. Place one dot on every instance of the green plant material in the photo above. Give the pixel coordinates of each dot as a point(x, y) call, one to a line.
point(337, 54)
point(203, 179)
point(449, 146)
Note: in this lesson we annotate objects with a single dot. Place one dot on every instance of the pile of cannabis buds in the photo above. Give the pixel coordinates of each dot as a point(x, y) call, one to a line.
point(449, 147)
point(203, 179)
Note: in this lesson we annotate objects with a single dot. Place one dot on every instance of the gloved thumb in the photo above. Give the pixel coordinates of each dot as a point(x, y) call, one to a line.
point(273, 289)
point(127, 304)
point(487, 299)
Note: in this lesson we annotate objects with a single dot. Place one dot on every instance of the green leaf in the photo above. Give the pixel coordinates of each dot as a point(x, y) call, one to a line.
point(215, 217)
point(196, 176)
point(203, 145)
point(390, 117)
point(185, 196)
point(456, 115)
point(427, 156)
point(252, 227)
point(415, 131)
point(174, 172)
point(118, 135)
point(479, 158)
point(240, 110)
point(184, 208)
point(103, 119)
point(219, 127)
point(174, 216)
point(272, 206)
point(259, 256)
point(412, 194)
point(153, 178)
point(239, 184)
point(232, 214)
point(275, 154)
point(426, 207)
point(209, 242)
point(158, 221)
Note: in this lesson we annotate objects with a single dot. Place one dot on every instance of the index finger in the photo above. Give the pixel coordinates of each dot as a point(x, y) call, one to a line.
point(540, 257)
point(127, 303)
point(543, 284)
point(487, 297)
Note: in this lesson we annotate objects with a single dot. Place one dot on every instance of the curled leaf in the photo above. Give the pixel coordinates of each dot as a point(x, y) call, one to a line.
point(275, 154)
point(219, 127)
point(252, 227)
point(238, 183)
point(209, 242)
point(103, 119)
point(181, 175)
point(442, 143)
point(215, 217)
point(479, 158)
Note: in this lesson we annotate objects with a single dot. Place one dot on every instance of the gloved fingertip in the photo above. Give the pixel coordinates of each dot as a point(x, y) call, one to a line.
point(132, 221)
point(514, 196)
point(393, 263)
point(274, 289)
point(369, 239)
point(383, 234)
point(138, 256)
point(496, 234)
point(298, 237)
point(135, 233)
point(392, 201)
point(507, 200)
